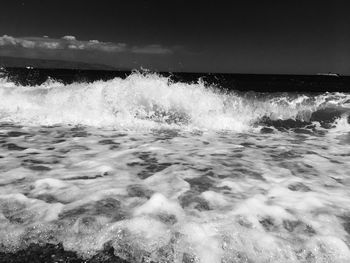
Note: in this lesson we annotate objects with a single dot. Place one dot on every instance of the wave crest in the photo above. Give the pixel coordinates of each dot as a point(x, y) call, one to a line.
point(151, 101)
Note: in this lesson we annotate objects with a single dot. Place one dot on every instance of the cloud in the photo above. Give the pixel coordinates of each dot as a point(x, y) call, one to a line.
point(50, 45)
point(72, 43)
point(31, 43)
point(71, 38)
point(6, 40)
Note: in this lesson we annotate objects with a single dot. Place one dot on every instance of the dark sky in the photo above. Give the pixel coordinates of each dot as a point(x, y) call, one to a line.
point(207, 36)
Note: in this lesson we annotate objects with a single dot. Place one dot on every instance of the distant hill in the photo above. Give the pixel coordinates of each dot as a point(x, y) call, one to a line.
point(47, 63)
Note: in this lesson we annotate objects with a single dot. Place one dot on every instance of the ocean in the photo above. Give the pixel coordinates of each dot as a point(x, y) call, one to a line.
point(146, 167)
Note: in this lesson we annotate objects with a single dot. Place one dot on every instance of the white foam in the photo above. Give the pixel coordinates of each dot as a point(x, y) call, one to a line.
point(215, 199)
point(338, 251)
point(149, 101)
point(159, 204)
point(342, 125)
point(203, 242)
point(170, 195)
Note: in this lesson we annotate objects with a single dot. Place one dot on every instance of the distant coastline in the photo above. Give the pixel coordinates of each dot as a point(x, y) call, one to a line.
point(19, 62)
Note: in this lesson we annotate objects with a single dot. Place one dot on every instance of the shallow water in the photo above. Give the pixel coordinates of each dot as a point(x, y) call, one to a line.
point(176, 182)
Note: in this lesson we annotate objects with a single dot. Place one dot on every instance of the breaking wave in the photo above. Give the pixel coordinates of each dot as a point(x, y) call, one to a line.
point(152, 101)
point(90, 194)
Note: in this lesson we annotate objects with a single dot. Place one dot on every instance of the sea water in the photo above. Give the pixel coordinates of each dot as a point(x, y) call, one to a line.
point(165, 171)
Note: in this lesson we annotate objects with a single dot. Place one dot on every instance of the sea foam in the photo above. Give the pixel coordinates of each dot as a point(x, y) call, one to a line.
point(162, 171)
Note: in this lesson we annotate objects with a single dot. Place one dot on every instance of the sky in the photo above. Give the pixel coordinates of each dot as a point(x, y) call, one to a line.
point(282, 37)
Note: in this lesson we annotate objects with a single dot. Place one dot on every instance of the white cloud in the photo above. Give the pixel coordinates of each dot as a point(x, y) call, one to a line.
point(71, 43)
point(6, 40)
point(71, 38)
point(50, 45)
point(80, 46)
point(27, 43)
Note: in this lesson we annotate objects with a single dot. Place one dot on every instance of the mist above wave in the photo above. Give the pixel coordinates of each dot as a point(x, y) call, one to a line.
point(143, 101)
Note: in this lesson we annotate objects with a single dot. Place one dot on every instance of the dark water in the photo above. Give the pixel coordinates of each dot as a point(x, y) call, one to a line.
point(150, 168)
point(237, 82)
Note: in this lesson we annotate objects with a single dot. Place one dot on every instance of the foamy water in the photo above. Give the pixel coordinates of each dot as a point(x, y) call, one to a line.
point(175, 172)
